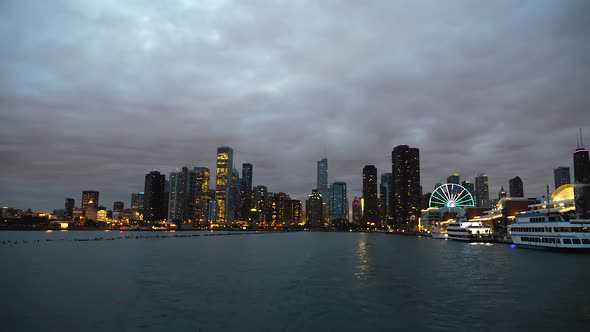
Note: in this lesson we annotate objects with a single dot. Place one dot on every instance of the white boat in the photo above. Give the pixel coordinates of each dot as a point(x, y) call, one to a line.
point(472, 231)
point(439, 231)
point(549, 231)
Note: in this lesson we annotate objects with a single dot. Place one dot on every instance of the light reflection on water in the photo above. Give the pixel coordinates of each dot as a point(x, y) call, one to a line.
point(364, 268)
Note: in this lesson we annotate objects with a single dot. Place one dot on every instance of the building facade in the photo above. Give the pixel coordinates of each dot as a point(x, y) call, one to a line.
point(406, 198)
point(516, 187)
point(561, 176)
point(454, 178)
point(223, 183)
point(371, 202)
point(482, 190)
point(89, 200)
point(339, 202)
point(155, 198)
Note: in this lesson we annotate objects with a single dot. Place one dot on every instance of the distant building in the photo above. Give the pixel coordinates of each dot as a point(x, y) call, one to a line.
point(454, 178)
point(118, 206)
point(581, 163)
point(357, 213)
point(339, 202)
point(259, 205)
point(405, 164)
point(89, 200)
point(482, 191)
point(561, 176)
point(322, 183)
point(223, 183)
point(245, 196)
point(155, 198)
point(515, 187)
point(69, 208)
point(385, 207)
point(203, 179)
point(371, 202)
point(501, 193)
point(470, 187)
point(314, 210)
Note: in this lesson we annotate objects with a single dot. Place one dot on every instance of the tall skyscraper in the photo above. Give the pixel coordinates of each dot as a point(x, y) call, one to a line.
point(89, 200)
point(314, 209)
point(406, 198)
point(69, 207)
point(515, 187)
point(562, 176)
point(155, 198)
point(357, 211)
point(203, 178)
point(454, 178)
point(482, 190)
point(339, 202)
point(181, 202)
point(385, 207)
point(223, 183)
point(581, 163)
point(371, 202)
point(260, 193)
point(245, 196)
point(470, 187)
point(322, 183)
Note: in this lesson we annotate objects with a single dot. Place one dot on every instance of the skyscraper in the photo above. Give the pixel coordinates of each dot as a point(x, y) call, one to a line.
point(89, 200)
point(482, 190)
point(371, 206)
point(470, 187)
point(245, 197)
point(69, 207)
point(181, 203)
point(322, 182)
point(454, 178)
point(339, 202)
point(356, 211)
point(155, 197)
point(260, 193)
point(223, 182)
point(581, 163)
point(385, 207)
point(515, 187)
point(406, 198)
point(562, 176)
point(314, 210)
point(118, 206)
point(203, 178)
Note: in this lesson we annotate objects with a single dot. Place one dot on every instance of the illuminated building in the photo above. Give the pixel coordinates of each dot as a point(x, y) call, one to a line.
point(322, 183)
point(516, 187)
point(101, 215)
point(69, 207)
point(155, 198)
point(118, 206)
point(371, 206)
point(339, 211)
point(482, 191)
point(406, 198)
point(245, 196)
point(183, 183)
point(278, 209)
point(89, 199)
point(385, 207)
point(581, 163)
point(223, 183)
point(292, 213)
point(203, 179)
point(356, 211)
point(561, 176)
point(314, 210)
point(454, 178)
point(469, 186)
point(259, 215)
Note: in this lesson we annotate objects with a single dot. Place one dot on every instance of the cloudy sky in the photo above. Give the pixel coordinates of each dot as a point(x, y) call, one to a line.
point(94, 94)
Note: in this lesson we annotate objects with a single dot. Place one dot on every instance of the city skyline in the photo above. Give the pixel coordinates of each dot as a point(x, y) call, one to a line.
point(96, 101)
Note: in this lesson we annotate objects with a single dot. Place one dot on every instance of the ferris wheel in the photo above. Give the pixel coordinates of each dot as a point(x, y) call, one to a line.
point(451, 195)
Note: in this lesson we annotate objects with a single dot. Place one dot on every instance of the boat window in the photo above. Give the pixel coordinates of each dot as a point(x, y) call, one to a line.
point(576, 241)
point(567, 241)
point(586, 241)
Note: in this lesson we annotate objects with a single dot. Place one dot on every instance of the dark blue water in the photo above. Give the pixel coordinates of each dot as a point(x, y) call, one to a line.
point(286, 282)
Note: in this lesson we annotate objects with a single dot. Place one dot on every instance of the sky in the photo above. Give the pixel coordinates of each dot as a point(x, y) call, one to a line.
point(95, 94)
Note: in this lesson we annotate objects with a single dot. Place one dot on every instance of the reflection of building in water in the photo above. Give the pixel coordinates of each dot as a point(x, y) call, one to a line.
point(364, 268)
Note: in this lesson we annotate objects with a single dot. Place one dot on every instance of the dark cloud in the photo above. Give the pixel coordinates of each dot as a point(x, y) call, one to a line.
point(94, 95)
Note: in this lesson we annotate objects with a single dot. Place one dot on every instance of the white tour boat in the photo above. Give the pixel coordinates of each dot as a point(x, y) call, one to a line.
point(439, 231)
point(472, 231)
point(549, 231)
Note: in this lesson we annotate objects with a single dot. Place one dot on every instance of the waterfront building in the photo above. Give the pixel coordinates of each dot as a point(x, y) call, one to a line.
point(385, 207)
point(223, 183)
point(581, 163)
point(259, 206)
point(245, 195)
point(561, 176)
point(515, 187)
point(314, 210)
point(155, 198)
point(202, 178)
point(89, 200)
point(118, 206)
point(322, 183)
point(371, 202)
point(482, 190)
point(182, 195)
point(406, 198)
point(356, 211)
point(339, 212)
point(279, 213)
point(69, 208)
point(454, 178)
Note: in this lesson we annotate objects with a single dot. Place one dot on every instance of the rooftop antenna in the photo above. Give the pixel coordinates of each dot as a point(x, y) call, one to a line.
point(581, 139)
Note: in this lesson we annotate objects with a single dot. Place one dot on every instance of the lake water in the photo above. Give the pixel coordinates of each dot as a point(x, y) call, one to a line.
point(305, 281)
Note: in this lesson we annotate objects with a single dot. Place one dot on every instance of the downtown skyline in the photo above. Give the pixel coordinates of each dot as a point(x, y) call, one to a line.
point(94, 96)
